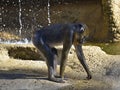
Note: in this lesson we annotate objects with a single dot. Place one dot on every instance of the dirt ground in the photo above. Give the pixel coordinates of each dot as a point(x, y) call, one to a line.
point(17, 74)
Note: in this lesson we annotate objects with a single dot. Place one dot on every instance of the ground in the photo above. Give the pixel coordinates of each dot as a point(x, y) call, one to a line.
point(19, 74)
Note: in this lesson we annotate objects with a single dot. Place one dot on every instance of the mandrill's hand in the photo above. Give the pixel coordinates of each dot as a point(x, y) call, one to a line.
point(89, 77)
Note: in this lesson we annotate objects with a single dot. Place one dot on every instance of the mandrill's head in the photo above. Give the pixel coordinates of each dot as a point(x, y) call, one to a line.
point(81, 33)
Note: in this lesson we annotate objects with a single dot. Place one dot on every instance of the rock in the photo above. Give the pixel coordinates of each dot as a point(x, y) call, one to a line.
point(3, 53)
point(87, 85)
point(22, 51)
point(104, 67)
point(4, 36)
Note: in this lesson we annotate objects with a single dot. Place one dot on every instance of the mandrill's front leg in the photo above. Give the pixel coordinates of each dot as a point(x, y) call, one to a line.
point(82, 60)
point(66, 47)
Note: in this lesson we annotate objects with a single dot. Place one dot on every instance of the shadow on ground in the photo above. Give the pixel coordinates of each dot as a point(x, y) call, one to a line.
point(20, 76)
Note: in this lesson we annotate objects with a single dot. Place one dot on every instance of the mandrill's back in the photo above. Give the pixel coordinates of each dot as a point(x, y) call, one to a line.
point(52, 35)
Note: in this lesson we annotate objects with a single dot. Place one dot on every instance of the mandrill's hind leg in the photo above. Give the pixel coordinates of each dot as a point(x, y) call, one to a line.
point(52, 65)
point(50, 57)
point(54, 51)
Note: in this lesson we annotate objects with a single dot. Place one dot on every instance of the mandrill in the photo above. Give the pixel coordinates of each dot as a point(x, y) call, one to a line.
point(61, 34)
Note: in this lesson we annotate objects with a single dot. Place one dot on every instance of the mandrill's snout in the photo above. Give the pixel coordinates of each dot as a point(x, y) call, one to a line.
point(83, 39)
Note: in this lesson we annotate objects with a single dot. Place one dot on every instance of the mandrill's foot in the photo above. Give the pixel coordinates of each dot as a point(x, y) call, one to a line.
point(89, 77)
point(56, 76)
point(58, 80)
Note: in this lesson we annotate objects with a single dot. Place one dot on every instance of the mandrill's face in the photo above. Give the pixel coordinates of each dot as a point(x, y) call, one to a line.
point(85, 34)
point(81, 35)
